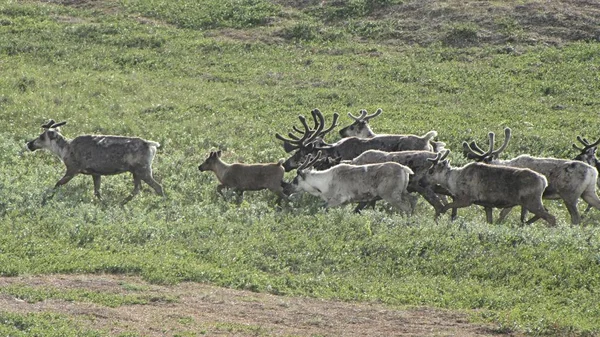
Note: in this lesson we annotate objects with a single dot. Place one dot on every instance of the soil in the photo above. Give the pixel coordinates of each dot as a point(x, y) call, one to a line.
point(199, 309)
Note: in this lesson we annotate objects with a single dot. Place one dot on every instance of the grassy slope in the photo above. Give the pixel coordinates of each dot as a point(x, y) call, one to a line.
point(168, 72)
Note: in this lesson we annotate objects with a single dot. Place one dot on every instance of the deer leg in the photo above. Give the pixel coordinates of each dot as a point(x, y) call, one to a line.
point(540, 212)
point(65, 179)
point(504, 213)
point(97, 181)
point(572, 208)
point(220, 190)
point(239, 196)
point(137, 184)
point(589, 196)
point(488, 214)
point(361, 205)
point(147, 177)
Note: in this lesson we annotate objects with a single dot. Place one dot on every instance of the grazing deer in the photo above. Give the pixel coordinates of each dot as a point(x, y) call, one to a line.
point(246, 177)
point(345, 183)
point(490, 186)
point(568, 180)
point(360, 128)
point(348, 148)
point(99, 155)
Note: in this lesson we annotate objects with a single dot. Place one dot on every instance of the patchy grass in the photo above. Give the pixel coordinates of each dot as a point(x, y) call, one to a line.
point(157, 70)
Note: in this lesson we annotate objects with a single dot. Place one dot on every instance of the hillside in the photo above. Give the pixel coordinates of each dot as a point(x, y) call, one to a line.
point(199, 76)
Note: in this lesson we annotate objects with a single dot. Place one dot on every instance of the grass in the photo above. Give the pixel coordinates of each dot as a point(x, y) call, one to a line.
point(169, 72)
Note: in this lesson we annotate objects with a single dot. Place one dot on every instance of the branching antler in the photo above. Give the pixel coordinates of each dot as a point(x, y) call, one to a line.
point(439, 157)
point(586, 144)
point(472, 151)
point(309, 162)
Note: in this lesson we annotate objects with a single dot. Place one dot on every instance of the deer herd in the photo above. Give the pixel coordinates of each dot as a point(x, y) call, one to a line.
point(363, 167)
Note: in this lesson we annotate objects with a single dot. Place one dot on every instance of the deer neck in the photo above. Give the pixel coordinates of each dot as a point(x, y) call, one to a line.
point(220, 168)
point(60, 147)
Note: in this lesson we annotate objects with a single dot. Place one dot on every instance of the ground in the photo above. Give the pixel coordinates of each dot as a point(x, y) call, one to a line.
point(198, 309)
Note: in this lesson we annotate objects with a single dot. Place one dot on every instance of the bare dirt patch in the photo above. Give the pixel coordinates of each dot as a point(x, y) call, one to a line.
point(204, 309)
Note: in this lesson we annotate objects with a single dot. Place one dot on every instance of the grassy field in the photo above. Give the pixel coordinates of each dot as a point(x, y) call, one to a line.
point(203, 75)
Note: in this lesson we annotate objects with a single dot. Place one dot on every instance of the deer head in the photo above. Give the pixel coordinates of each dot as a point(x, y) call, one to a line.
point(588, 151)
point(360, 127)
point(48, 137)
point(308, 141)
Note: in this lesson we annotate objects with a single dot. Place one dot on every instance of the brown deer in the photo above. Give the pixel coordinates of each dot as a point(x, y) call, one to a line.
point(245, 177)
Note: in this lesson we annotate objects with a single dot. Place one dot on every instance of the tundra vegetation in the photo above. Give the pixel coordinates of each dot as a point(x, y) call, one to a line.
point(197, 76)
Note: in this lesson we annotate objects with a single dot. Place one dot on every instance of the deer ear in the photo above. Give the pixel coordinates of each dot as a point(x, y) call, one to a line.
point(218, 153)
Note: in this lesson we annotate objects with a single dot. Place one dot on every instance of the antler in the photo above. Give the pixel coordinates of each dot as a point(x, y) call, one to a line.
point(310, 161)
point(333, 124)
point(586, 144)
point(472, 151)
point(373, 115)
point(48, 125)
point(54, 126)
point(440, 156)
point(360, 118)
point(507, 135)
point(294, 142)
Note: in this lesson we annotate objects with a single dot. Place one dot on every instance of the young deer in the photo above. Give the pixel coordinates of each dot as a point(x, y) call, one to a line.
point(246, 177)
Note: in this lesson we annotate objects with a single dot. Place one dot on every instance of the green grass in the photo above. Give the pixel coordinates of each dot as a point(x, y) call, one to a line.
point(42, 324)
point(194, 85)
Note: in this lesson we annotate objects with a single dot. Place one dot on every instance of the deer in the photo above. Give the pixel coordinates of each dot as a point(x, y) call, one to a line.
point(360, 128)
point(246, 177)
point(568, 180)
point(348, 148)
point(490, 186)
point(588, 155)
point(346, 183)
point(418, 162)
point(99, 155)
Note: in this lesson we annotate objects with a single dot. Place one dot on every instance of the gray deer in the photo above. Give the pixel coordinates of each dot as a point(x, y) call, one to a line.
point(100, 155)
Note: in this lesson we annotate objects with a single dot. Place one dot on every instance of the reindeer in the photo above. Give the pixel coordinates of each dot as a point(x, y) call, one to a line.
point(418, 162)
point(588, 155)
point(348, 148)
point(99, 155)
point(347, 183)
point(360, 128)
point(490, 186)
point(568, 180)
point(246, 177)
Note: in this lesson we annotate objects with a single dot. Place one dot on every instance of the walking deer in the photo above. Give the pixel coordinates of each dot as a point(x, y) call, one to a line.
point(99, 155)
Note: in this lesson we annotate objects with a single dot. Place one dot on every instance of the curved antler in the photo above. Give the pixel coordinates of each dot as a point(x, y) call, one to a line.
point(49, 124)
point(333, 125)
point(54, 126)
point(373, 115)
point(586, 144)
point(310, 161)
point(360, 118)
point(507, 135)
point(439, 157)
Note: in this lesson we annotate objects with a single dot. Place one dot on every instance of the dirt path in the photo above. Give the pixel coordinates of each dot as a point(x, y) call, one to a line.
point(198, 309)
